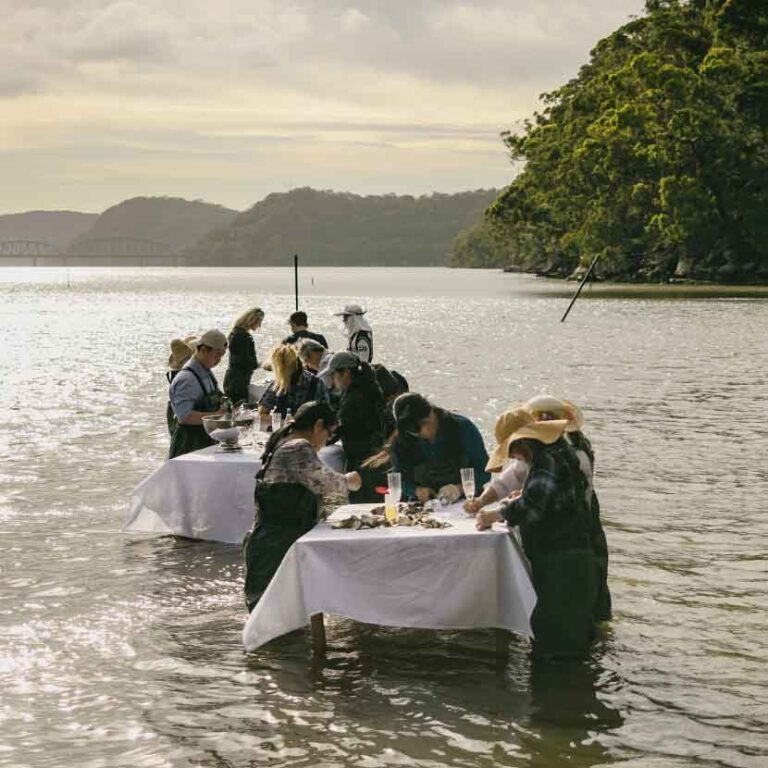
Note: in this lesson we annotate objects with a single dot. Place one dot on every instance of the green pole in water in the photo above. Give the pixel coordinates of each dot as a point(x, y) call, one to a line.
point(296, 278)
point(581, 285)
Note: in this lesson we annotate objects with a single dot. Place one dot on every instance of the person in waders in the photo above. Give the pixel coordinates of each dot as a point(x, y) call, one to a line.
point(181, 351)
point(242, 355)
point(358, 332)
point(554, 521)
point(361, 427)
point(195, 394)
point(546, 408)
point(290, 487)
point(430, 447)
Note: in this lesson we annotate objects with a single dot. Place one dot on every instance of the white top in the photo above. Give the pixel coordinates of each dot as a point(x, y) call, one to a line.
point(511, 478)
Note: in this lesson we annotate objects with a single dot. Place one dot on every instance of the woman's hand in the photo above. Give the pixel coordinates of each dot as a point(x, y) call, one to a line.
point(473, 506)
point(424, 494)
point(354, 481)
point(485, 520)
point(514, 495)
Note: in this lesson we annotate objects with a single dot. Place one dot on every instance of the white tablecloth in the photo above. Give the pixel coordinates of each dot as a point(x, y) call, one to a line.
point(204, 495)
point(452, 578)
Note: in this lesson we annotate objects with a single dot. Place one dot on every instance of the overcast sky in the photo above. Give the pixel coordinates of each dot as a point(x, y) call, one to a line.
point(229, 100)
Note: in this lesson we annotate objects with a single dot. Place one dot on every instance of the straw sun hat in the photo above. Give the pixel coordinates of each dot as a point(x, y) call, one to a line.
point(181, 351)
point(560, 409)
point(517, 423)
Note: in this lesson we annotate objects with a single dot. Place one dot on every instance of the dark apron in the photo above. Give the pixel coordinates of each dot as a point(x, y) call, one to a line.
point(193, 437)
point(285, 512)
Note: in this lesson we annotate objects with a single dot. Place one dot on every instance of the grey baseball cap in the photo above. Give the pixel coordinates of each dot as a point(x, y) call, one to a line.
point(343, 360)
point(214, 339)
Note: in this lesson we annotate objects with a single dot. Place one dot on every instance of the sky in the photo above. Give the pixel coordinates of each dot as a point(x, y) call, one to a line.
point(229, 100)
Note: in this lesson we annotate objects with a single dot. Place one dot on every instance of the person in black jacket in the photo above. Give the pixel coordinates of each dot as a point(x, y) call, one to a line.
point(360, 418)
point(242, 355)
point(299, 326)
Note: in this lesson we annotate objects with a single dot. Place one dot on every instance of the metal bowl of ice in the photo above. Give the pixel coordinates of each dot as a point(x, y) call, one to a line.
point(224, 431)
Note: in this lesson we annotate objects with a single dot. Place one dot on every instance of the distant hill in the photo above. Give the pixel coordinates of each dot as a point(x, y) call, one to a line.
point(339, 228)
point(54, 227)
point(171, 221)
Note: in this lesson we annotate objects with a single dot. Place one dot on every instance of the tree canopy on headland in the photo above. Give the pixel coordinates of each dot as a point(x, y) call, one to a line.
point(655, 156)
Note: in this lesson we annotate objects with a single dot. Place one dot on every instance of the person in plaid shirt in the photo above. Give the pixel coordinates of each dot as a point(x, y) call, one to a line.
point(553, 517)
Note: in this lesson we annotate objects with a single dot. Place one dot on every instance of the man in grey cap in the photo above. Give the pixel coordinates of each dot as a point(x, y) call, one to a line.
point(358, 331)
point(195, 394)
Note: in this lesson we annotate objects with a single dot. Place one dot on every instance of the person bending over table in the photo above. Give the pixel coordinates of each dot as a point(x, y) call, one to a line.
point(547, 408)
point(430, 447)
point(360, 418)
point(293, 385)
point(194, 394)
point(554, 520)
point(290, 487)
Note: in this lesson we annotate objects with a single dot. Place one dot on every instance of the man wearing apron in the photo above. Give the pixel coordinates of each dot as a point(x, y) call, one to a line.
point(195, 394)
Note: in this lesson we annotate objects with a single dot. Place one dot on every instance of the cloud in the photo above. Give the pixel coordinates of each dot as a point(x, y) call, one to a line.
point(402, 81)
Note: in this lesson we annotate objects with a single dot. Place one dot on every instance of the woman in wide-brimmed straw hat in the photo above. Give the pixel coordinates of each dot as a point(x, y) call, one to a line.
point(544, 408)
point(554, 521)
point(509, 473)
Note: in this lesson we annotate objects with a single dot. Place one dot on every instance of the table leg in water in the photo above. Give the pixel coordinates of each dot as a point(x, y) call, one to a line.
point(318, 633)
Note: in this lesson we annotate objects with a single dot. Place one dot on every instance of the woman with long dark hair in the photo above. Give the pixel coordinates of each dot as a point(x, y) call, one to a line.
point(290, 487)
point(431, 446)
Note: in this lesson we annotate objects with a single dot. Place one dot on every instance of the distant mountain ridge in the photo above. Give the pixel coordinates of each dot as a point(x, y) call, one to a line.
point(58, 228)
point(341, 228)
point(324, 227)
point(170, 221)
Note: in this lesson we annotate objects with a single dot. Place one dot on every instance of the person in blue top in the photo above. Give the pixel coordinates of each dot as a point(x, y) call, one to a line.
point(194, 394)
point(431, 446)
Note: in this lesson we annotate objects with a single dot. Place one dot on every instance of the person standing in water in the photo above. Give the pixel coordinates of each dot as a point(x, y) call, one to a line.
point(242, 355)
point(194, 394)
point(358, 332)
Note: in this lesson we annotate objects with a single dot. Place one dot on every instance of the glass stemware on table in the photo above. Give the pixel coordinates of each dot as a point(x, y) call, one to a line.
point(468, 482)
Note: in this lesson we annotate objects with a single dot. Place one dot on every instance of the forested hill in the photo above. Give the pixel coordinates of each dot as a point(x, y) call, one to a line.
point(56, 228)
point(338, 228)
point(171, 221)
point(655, 157)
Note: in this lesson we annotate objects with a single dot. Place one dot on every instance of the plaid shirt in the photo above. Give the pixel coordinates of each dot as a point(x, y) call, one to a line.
point(299, 394)
point(552, 511)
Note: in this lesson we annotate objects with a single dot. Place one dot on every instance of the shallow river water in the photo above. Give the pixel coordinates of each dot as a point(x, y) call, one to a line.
point(125, 651)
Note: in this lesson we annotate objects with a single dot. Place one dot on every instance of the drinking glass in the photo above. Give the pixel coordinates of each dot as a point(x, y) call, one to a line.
point(277, 421)
point(390, 508)
point(468, 482)
point(395, 484)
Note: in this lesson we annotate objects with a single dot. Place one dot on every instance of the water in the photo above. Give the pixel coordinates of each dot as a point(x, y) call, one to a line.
point(119, 651)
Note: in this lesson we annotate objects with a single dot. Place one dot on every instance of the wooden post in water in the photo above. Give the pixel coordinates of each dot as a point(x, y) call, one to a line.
point(581, 285)
point(296, 278)
point(318, 633)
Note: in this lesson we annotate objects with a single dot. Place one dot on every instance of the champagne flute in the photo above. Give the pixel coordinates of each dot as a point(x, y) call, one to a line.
point(468, 482)
point(395, 485)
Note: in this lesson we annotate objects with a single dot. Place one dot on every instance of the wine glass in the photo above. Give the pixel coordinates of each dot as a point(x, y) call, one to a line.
point(468, 482)
point(395, 485)
point(277, 421)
